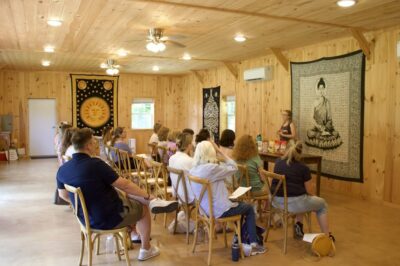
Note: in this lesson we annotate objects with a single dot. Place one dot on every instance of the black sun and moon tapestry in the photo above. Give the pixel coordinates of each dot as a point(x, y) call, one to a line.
point(211, 110)
point(327, 105)
point(94, 101)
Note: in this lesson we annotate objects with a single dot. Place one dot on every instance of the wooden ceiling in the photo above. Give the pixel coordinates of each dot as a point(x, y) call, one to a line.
point(94, 30)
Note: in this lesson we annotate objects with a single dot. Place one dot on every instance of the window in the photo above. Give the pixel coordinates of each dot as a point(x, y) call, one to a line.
point(230, 112)
point(142, 114)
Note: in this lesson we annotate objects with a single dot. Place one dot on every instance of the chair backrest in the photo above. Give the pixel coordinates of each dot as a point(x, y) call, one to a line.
point(159, 172)
point(153, 150)
point(180, 181)
point(243, 177)
point(205, 187)
point(141, 170)
point(125, 163)
point(275, 182)
point(163, 153)
point(79, 199)
point(115, 160)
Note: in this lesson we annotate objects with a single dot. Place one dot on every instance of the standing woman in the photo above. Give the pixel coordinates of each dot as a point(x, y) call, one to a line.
point(288, 129)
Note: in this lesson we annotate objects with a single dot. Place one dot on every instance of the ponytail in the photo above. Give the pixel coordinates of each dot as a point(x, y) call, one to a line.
point(293, 152)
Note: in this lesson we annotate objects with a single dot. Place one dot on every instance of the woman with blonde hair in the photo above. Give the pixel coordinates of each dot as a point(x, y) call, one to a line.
point(67, 148)
point(299, 189)
point(207, 166)
point(288, 130)
point(246, 152)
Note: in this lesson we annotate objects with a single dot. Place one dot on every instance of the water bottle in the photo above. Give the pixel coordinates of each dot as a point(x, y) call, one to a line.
point(110, 244)
point(235, 248)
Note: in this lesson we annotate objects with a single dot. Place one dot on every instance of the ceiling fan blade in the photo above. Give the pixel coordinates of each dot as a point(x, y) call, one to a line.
point(176, 43)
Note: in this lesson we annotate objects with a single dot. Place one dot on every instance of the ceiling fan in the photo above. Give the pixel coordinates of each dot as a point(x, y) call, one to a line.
point(111, 67)
point(156, 41)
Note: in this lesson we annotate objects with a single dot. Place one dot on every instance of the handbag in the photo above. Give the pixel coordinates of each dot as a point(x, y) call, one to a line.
point(322, 245)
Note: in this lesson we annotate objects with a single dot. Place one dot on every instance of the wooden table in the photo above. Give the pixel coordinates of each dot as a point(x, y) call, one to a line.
point(307, 159)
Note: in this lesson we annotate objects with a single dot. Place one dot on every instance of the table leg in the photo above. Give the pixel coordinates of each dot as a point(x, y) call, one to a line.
point(318, 177)
point(266, 166)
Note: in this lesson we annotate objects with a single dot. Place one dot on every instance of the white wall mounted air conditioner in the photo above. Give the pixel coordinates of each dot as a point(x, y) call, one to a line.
point(260, 73)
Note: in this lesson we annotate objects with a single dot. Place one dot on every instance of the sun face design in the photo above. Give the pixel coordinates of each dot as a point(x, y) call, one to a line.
point(95, 112)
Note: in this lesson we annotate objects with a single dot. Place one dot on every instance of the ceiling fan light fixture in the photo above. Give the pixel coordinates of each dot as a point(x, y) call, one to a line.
point(45, 63)
point(112, 71)
point(240, 38)
point(103, 65)
point(48, 49)
point(186, 57)
point(161, 46)
point(156, 68)
point(54, 22)
point(346, 3)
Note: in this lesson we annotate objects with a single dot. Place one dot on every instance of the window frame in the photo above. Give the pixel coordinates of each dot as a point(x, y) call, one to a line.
point(230, 99)
point(143, 101)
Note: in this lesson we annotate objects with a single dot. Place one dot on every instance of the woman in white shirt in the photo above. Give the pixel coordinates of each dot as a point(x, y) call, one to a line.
point(154, 136)
point(206, 166)
point(181, 160)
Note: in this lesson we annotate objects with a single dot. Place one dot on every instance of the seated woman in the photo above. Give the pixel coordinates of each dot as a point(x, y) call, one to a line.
point(162, 141)
point(154, 136)
point(171, 143)
point(67, 149)
point(182, 160)
point(58, 140)
point(226, 142)
point(299, 189)
point(246, 152)
point(119, 141)
point(206, 166)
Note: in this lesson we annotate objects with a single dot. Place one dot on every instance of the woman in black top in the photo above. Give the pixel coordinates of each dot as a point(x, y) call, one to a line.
point(299, 189)
point(287, 130)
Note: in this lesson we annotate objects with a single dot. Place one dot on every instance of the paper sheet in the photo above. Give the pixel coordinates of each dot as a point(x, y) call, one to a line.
point(309, 237)
point(240, 191)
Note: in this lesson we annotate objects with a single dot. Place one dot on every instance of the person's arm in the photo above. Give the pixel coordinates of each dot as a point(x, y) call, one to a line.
point(290, 136)
point(131, 188)
point(309, 188)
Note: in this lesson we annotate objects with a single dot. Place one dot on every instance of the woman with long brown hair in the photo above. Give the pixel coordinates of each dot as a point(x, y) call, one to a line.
point(246, 152)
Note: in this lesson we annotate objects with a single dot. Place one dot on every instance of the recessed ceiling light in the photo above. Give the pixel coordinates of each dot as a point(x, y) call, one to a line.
point(346, 3)
point(122, 53)
point(49, 49)
point(156, 68)
point(45, 63)
point(54, 22)
point(240, 38)
point(186, 56)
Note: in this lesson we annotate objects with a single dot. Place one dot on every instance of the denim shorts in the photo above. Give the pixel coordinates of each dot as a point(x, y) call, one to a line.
point(302, 204)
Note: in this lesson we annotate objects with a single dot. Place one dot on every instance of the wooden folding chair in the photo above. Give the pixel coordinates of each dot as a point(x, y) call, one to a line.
point(183, 201)
point(115, 160)
point(126, 167)
point(209, 220)
point(154, 151)
point(89, 235)
point(143, 174)
point(282, 212)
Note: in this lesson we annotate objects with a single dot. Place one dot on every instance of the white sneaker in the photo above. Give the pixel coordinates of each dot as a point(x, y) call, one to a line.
point(145, 254)
point(162, 206)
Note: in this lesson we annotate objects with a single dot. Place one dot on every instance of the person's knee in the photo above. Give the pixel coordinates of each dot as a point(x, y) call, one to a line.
point(322, 206)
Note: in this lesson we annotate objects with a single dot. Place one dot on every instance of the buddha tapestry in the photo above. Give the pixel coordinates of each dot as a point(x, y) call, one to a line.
point(327, 105)
point(211, 105)
point(94, 101)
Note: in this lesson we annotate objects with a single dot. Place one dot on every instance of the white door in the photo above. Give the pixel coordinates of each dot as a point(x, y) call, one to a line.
point(42, 119)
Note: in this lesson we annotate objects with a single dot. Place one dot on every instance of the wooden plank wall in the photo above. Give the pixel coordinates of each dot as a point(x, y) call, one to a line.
point(16, 87)
point(259, 104)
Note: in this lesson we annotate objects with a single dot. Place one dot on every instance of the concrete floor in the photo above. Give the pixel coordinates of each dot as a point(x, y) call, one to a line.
point(33, 231)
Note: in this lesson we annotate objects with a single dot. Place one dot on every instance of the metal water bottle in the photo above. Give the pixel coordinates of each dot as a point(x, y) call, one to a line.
point(235, 249)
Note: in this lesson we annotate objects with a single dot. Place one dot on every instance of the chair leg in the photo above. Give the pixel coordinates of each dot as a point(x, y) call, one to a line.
point(268, 226)
point(225, 238)
point(238, 227)
point(165, 220)
point(82, 248)
point(285, 218)
point(210, 243)
point(98, 245)
point(90, 249)
point(196, 232)
point(176, 220)
point(116, 240)
point(308, 215)
point(125, 235)
point(187, 224)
